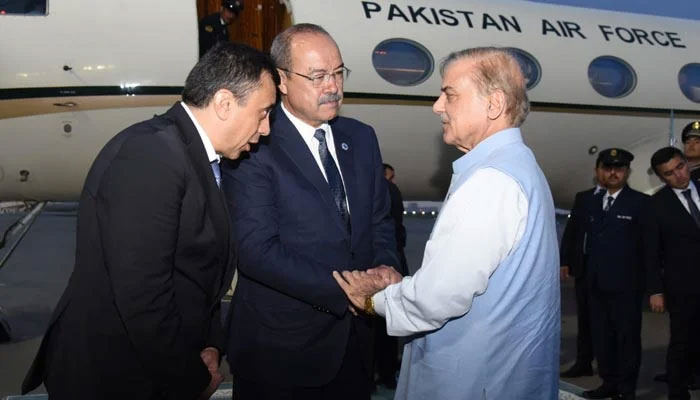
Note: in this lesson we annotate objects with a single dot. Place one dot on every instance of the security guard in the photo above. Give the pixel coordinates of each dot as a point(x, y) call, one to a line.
point(615, 278)
point(214, 28)
point(691, 148)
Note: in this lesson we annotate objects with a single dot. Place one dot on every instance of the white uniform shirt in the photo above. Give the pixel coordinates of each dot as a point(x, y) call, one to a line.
point(614, 196)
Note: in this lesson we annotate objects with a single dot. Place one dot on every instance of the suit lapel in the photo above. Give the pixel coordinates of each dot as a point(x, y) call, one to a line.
point(676, 207)
point(286, 136)
point(205, 176)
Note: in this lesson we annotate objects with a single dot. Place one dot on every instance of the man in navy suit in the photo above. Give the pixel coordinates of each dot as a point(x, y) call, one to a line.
point(573, 258)
point(672, 256)
point(615, 278)
point(311, 200)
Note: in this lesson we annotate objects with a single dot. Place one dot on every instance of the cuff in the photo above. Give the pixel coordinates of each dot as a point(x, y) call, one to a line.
point(380, 303)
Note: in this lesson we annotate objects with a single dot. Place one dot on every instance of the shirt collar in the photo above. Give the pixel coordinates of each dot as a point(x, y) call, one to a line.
point(614, 195)
point(494, 141)
point(305, 130)
point(211, 153)
point(691, 186)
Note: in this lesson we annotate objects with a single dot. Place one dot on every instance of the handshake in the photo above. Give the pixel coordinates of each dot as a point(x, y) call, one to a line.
point(360, 286)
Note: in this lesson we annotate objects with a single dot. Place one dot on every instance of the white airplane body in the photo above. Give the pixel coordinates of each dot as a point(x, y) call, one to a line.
point(127, 60)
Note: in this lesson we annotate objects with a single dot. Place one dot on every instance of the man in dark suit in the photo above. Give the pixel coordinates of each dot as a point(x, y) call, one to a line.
point(672, 257)
point(311, 200)
point(573, 257)
point(214, 27)
point(140, 316)
point(615, 278)
point(386, 347)
point(397, 212)
point(691, 148)
point(690, 136)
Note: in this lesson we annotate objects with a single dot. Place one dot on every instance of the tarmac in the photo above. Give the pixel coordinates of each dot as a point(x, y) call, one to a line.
point(36, 273)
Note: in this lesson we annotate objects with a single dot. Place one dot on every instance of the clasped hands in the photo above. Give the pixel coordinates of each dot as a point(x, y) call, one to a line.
point(358, 285)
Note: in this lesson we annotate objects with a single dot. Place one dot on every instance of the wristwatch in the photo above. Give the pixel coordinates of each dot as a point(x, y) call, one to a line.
point(369, 305)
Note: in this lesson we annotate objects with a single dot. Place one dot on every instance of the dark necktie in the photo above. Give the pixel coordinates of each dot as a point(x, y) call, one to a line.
point(335, 182)
point(694, 212)
point(217, 172)
point(610, 200)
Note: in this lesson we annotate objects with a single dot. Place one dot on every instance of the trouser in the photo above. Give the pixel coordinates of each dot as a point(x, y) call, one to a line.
point(616, 325)
point(351, 382)
point(385, 353)
point(684, 315)
point(584, 341)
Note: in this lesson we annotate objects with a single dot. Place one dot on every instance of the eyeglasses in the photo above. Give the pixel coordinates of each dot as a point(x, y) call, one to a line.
point(319, 79)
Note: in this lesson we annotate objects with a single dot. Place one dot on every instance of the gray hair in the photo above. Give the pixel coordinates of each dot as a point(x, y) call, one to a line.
point(496, 69)
point(281, 50)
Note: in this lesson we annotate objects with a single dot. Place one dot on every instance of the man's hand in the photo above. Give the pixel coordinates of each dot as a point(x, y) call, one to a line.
point(210, 357)
point(357, 285)
point(656, 302)
point(388, 274)
point(564, 272)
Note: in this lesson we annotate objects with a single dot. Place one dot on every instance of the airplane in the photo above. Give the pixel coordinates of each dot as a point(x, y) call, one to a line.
point(74, 73)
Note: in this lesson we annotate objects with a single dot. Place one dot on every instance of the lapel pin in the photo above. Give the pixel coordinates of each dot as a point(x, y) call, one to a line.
point(344, 146)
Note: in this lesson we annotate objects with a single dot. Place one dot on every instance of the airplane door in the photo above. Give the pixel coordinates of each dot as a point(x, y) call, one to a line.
point(258, 24)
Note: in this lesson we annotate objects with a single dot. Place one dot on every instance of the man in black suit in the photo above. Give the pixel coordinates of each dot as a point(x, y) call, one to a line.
point(615, 277)
point(691, 148)
point(319, 202)
point(690, 136)
point(214, 27)
point(573, 257)
point(140, 316)
point(672, 257)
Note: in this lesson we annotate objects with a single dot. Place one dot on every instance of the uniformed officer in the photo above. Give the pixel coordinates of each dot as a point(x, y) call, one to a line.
point(573, 257)
point(615, 277)
point(691, 147)
point(214, 28)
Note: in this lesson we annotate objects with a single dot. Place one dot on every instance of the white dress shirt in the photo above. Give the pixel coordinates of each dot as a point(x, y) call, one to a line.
point(614, 196)
point(479, 225)
point(693, 195)
point(307, 133)
point(208, 147)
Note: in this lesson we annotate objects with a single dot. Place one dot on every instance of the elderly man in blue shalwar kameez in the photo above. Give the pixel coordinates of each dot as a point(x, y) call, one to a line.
point(484, 306)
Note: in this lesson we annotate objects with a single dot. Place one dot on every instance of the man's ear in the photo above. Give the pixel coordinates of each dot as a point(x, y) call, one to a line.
point(283, 81)
point(497, 104)
point(223, 103)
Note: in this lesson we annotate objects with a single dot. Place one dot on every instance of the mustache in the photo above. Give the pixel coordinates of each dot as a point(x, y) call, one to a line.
point(444, 118)
point(330, 98)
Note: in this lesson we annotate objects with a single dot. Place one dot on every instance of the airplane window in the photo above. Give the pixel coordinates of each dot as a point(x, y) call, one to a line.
point(529, 65)
point(689, 81)
point(402, 62)
point(23, 7)
point(611, 77)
